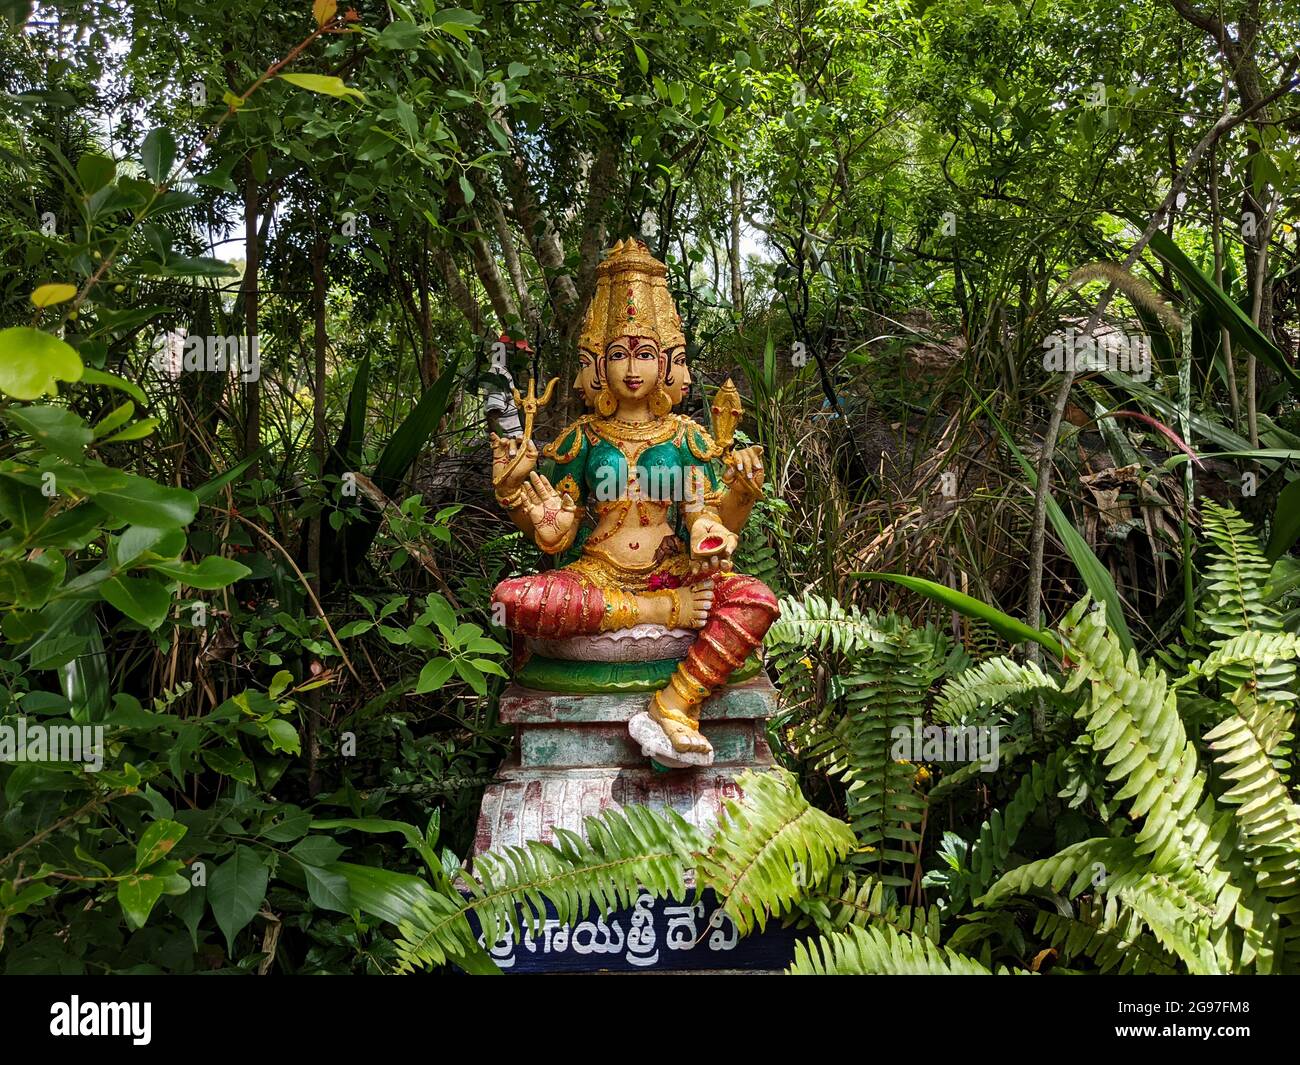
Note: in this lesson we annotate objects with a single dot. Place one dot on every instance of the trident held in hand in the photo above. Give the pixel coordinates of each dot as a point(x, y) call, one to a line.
point(530, 405)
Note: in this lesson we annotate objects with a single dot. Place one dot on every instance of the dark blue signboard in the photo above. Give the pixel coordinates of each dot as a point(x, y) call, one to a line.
point(655, 935)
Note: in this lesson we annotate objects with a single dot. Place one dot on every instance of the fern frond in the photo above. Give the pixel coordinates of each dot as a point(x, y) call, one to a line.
point(848, 900)
point(1190, 847)
point(1173, 910)
point(1266, 814)
point(1110, 935)
point(1235, 600)
point(768, 848)
point(624, 851)
point(881, 702)
point(1069, 872)
point(993, 683)
point(992, 849)
point(1132, 716)
point(880, 951)
point(1261, 659)
point(814, 623)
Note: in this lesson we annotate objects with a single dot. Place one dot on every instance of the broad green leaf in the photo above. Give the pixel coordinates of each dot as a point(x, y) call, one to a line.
point(233, 763)
point(118, 416)
point(1286, 522)
point(157, 842)
point(322, 83)
point(283, 736)
point(317, 850)
point(470, 676)
point(137, 894)
point(50, 295)
point(282, 679)
point(236, 890)
point(95, 171)
point(133, 499)
point(1013, 630)
point(136, 431)
point(137, 540)
point(400, 36)
point(31, 362)
point(433, 676)
point(27, 898)
point(210, 573)
point(158, 154)
point(328, 890)
point(56, 429)
point(91, 376)
point(72, 529)
point(22, 505)
point(26, 583)
point(142, 600)
point(440, 610)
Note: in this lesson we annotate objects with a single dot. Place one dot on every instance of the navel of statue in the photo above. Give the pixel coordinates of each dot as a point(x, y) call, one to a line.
point(628, 463)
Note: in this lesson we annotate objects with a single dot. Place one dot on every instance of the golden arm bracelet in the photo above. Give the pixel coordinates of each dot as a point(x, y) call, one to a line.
point(691, 517)
point(512, 500)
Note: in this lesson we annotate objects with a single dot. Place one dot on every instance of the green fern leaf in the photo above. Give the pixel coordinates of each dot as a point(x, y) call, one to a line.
point(880, 951)
point(768, 848)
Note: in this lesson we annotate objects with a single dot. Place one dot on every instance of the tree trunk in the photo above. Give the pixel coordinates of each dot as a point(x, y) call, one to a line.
point(737, 291)
point(252, 388)
point(318, 445)
point(514, 267)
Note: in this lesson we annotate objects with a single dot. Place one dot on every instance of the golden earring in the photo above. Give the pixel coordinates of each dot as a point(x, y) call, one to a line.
point(606, 403)
point(660, 402)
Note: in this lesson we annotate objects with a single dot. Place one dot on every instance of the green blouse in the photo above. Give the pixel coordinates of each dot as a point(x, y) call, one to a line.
point(594, 469)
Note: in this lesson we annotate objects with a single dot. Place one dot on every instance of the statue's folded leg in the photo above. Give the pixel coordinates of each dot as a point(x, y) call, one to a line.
point(563, 603)
point(552, 604)
point(743, 610)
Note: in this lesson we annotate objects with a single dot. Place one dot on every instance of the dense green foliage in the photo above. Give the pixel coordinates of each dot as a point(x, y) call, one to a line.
point(256, 265)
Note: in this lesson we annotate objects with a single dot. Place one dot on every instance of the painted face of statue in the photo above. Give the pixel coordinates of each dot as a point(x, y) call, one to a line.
point(678, 383)
point(587, 382)
point(632, 368)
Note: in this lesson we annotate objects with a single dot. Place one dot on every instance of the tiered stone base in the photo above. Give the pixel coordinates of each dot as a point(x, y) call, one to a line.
point(574, 758)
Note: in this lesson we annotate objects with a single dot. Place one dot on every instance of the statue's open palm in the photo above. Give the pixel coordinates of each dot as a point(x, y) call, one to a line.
point(552, 515)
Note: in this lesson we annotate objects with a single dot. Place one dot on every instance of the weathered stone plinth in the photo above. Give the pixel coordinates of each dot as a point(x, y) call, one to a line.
point(574, 758)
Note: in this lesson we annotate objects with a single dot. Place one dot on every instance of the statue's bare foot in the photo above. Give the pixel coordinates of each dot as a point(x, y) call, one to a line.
point(694, 601)
point(677, 725)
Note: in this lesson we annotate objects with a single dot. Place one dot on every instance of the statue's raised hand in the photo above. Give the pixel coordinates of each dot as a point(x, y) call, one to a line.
point(510, 469)
point(744, 470)
point(553, 516)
